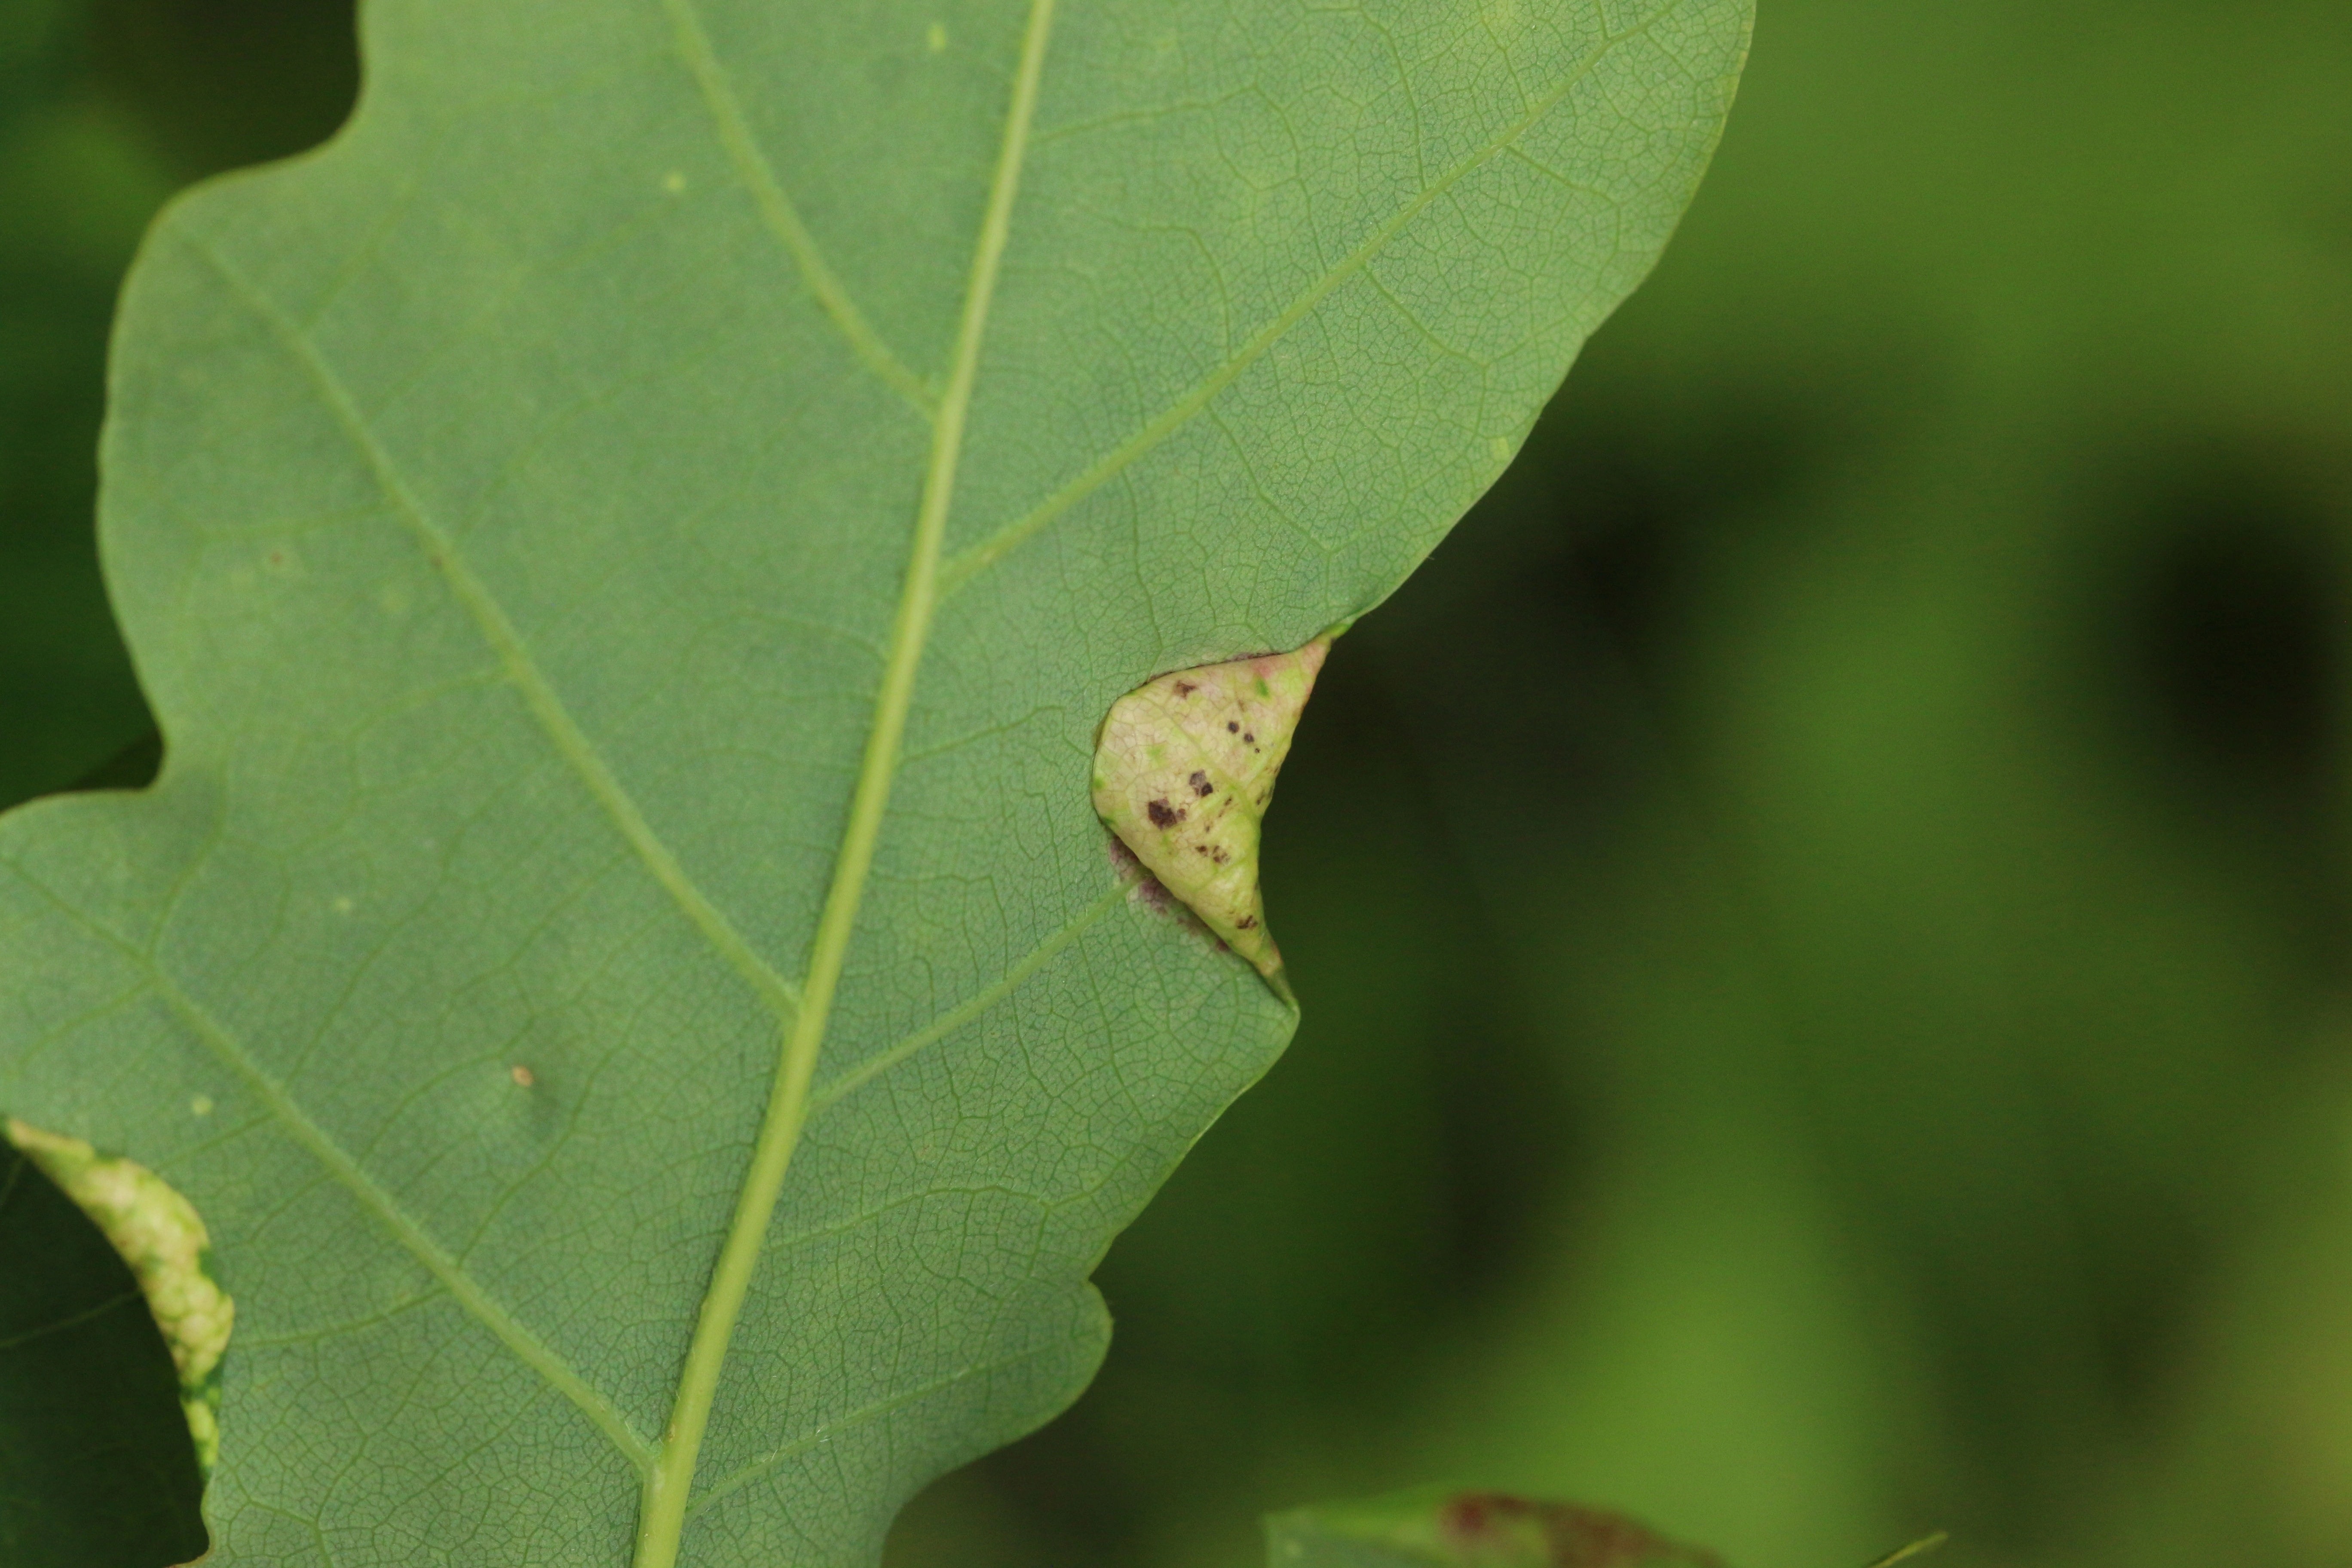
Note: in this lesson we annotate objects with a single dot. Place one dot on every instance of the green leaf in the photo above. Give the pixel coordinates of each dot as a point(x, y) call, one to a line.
point(95, 1463)
point(1453, 1528)
point(629, 548)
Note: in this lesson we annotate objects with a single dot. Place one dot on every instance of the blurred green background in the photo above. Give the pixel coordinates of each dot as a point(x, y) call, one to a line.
point(1822, 912)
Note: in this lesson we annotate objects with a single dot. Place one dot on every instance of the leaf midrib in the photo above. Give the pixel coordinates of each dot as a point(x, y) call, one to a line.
point(669, 1466)
point(979, 556)
point(669, 1484)
point(745, 1474)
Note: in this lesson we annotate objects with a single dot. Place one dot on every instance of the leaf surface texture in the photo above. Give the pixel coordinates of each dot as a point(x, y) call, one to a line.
point(630, 545)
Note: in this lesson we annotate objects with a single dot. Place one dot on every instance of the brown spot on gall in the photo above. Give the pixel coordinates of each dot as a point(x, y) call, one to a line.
point(1572, 1537)
point(1175, 816)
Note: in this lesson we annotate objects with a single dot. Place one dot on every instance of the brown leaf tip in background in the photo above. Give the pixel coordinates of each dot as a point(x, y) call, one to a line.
point(1473, 1523)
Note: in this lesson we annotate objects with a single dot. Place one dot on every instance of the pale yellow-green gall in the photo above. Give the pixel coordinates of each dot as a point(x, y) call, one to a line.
point(1184, 771)
point(160, 1234)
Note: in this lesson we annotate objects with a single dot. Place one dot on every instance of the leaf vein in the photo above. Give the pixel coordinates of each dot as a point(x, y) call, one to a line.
point(669, 1484)
point(964, 1013)
point(347, 1172)
point(783, 218)
point(979, 557)
point(539, 695)
point(744, 1474)
point(19, 1340)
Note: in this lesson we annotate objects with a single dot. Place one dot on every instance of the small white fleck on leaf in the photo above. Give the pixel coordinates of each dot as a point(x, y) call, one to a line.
point(1184, 771)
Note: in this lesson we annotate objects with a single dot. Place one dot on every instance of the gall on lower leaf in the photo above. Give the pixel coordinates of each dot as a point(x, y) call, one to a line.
point(1184, 771)
point(159, 1235)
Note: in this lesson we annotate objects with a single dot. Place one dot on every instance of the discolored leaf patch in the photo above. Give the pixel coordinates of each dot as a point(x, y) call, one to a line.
point(1470, 1530)
point(1184, 771)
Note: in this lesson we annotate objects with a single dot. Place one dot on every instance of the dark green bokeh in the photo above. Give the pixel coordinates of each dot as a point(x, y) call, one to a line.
point(75, 188)
point(1821, 913)
point(106, 107)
